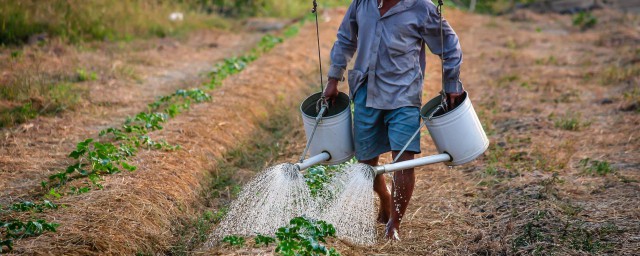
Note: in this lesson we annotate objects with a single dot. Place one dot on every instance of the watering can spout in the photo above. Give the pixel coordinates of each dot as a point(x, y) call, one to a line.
point(311, 161)
point(439, 158)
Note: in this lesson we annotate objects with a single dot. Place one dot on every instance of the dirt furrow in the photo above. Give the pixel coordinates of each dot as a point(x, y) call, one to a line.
point(34, 150)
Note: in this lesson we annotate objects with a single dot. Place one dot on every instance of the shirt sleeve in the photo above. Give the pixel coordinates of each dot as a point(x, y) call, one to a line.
point(344, 48)
point(451, 54)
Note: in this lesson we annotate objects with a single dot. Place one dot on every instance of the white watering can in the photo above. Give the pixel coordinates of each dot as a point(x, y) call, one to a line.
point(457, 134)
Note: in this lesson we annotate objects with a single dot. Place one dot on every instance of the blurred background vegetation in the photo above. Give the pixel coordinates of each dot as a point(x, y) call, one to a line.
point(81, 20)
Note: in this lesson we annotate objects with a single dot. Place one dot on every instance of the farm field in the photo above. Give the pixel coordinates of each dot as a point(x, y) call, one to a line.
point(559, 100)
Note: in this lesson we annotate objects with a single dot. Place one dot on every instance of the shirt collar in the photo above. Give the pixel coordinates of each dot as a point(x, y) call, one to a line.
point(400, 7)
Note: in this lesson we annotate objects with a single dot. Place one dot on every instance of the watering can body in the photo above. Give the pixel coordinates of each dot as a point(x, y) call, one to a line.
point(457, 132)
point(334, 133)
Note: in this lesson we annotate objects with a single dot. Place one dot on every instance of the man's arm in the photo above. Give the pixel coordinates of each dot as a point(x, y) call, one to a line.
point(343, 50)
point(451, 53)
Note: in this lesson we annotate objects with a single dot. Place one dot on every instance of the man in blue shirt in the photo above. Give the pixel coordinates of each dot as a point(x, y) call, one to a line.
point(386, 85)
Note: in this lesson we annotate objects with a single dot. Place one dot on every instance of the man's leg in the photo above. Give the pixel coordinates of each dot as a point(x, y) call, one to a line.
point(403, 184)
point(380, 187)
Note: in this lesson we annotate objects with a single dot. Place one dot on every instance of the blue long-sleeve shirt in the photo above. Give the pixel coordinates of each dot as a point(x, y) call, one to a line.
point(391, 52)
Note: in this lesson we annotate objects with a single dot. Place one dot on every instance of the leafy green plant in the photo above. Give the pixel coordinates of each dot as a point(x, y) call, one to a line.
point(319, 175)
point(95, 158)
point(266, 240)
point(16, 229)
point(234, 240)
point(316, 177)
point(25, 206)
point(80, 190)
point(304, 237)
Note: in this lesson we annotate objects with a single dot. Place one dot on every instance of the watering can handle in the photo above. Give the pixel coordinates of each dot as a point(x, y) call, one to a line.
point(443, 103)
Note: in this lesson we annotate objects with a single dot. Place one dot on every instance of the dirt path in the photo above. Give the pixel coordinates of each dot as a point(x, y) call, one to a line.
point(38, 148)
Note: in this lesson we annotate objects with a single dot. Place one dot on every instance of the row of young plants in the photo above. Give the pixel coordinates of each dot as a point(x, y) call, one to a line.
point(111, 152)
point(303, 236)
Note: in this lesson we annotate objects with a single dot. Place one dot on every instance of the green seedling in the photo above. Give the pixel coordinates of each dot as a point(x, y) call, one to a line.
point(234, 240)
point(304, 237)
point(265, 240)
point(16, 229)
point(26, 206)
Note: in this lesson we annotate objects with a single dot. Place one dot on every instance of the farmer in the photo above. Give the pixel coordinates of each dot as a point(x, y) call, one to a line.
point(386, 85)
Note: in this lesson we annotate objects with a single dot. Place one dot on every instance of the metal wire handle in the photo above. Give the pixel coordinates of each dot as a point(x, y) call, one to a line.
point(322, 105)
point(315, 11)
point(443, 103)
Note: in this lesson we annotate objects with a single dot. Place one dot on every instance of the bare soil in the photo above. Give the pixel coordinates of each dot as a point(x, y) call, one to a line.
point(548, 93)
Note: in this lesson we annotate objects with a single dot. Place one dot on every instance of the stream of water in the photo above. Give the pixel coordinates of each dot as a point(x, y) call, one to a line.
point(280, 193)
point(269, 201)
point(347, 203)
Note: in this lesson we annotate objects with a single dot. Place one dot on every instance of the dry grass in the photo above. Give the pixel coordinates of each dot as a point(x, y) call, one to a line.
point(135, 212)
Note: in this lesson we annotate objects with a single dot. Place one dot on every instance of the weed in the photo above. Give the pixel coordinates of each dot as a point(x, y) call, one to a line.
point(507, 79)
point(569, 122)
point(551, 60)
point(16, 54)
point(16, 115)
point(234, 240)
point(34, 96)
point(584, 20)
point(595, 167)
point(201, 227)
point(83, 75)
point(525, 85)
point(588, 240)
point(511, 44)
point(615, 74)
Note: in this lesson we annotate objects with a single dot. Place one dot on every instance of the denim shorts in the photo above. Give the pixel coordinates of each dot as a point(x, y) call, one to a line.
point(377, 131)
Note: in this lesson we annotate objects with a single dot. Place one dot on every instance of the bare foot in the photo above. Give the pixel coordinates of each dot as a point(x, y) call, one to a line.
point(391, 232)
point(383, 217)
